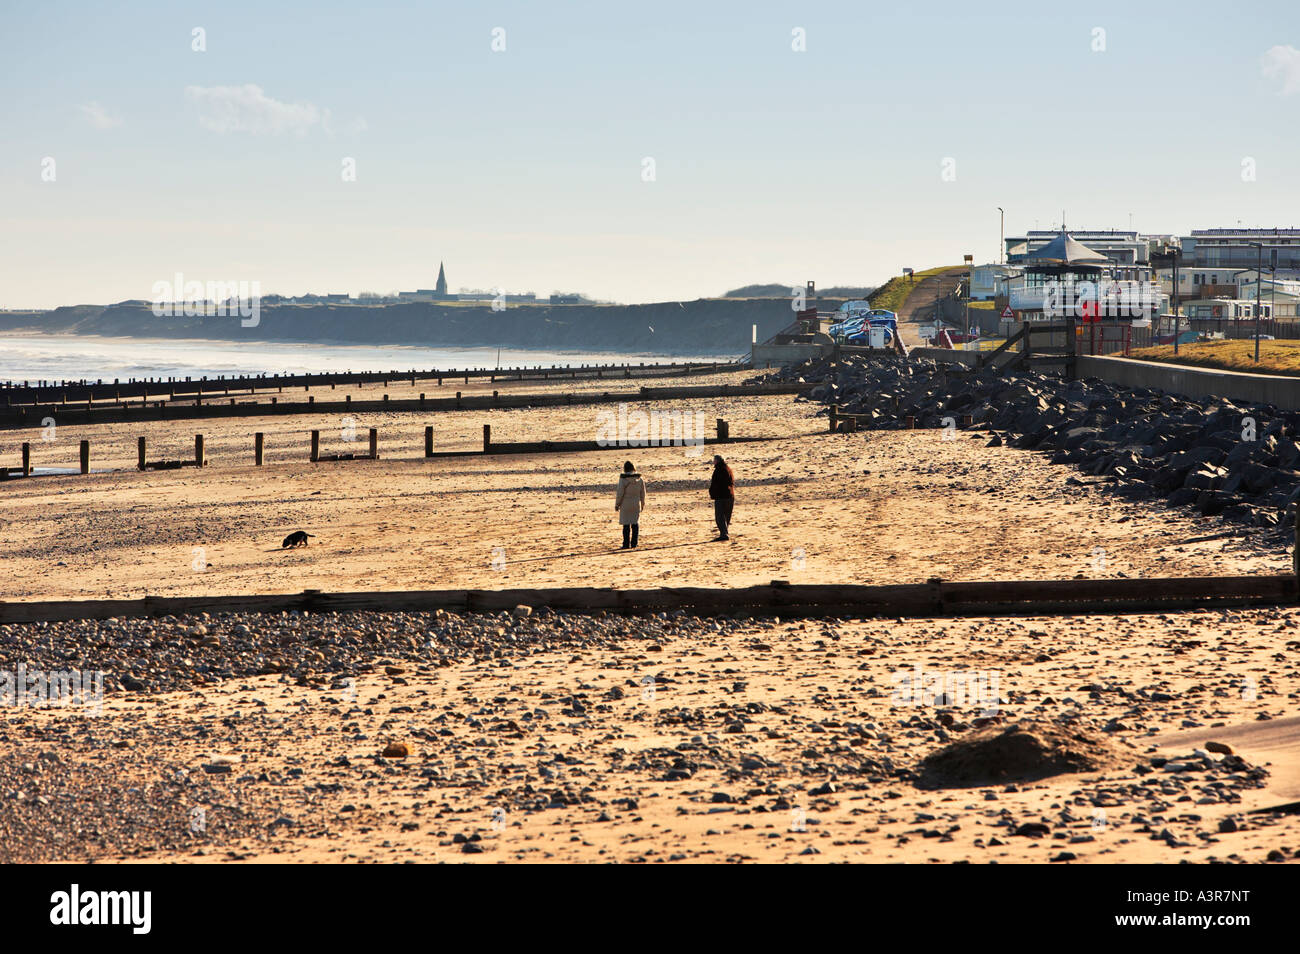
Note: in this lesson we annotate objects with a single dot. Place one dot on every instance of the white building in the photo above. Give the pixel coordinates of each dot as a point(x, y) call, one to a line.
point(1204, 283)
point(1268, 286)
point(989, 281)
point(1223, 309)
point(1199, 282)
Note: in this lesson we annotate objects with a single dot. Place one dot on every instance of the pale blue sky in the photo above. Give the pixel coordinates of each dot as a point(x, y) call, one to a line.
point(523, 168)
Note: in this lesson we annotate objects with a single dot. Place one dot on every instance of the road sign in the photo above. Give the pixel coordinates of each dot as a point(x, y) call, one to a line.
point(1008, 313)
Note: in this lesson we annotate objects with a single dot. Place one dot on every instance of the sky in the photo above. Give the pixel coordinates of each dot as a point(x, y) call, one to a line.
point(630, 151)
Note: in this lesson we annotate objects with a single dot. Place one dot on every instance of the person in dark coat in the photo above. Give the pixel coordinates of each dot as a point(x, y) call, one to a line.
point(722, 491)
point(628, 501)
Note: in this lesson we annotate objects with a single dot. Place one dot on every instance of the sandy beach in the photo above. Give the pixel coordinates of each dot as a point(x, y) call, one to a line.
point(882, 507)
point(534, 736)
point(581, 740)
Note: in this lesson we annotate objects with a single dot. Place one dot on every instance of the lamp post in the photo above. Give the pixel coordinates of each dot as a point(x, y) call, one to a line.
point(1272, 285)
point(1259, 277)
point(1169, 255)
point(1002, 241)
point(1176, 254)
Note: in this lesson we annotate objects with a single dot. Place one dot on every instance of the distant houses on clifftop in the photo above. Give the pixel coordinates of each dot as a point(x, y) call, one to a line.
point(438, 293)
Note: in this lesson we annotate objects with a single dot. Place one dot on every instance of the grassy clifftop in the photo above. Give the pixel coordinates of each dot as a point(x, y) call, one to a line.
point(894, 293)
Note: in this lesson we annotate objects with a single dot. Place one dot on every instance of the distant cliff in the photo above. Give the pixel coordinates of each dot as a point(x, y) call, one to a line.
point(704, 326)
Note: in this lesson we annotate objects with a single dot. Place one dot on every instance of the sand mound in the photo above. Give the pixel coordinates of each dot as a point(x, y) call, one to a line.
point(1015, 753)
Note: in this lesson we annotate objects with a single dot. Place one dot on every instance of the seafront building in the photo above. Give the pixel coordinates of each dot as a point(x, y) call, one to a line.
point(1215, 263)
point(1237, 248)
point(1065, 278)
point(1121, 248)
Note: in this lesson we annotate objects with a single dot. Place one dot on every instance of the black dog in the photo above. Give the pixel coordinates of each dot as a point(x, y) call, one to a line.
point(296, 539)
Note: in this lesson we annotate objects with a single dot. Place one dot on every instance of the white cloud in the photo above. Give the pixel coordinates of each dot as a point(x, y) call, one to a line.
point(1282, 62)
point(98, 116)
point(248, 109)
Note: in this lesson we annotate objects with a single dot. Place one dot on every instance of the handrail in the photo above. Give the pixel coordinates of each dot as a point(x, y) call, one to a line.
point(981, 359)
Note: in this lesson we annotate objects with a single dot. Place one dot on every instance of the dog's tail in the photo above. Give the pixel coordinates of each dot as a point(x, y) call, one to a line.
point(306, 534)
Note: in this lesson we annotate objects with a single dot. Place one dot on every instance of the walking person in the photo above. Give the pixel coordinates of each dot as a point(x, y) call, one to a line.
point(628, 501)
point(722, 491)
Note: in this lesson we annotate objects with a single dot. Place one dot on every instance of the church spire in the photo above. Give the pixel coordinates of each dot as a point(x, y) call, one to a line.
point(441, 287)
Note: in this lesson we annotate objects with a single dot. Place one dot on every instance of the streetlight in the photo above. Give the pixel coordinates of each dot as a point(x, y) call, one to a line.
point(1272, 284)
point(1002, 241)
point(1177, 254)
point(1259, 277)
point(1170, 254)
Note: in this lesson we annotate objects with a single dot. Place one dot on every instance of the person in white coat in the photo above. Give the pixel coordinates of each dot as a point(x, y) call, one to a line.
point(628, 501)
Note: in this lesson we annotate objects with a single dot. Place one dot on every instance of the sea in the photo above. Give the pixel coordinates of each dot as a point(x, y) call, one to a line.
point(93, 358)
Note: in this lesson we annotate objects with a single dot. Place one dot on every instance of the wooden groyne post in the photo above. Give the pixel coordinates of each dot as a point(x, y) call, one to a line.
point(85, 457)
point(315, 446)
point(140, 452)
point(259, 445)
point(428, 440)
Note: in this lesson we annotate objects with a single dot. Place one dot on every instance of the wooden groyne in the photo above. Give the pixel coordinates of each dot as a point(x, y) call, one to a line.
point(723, 436)
point(936, 598)
point(684, 438)
point(173, 388)
point(13, 418)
